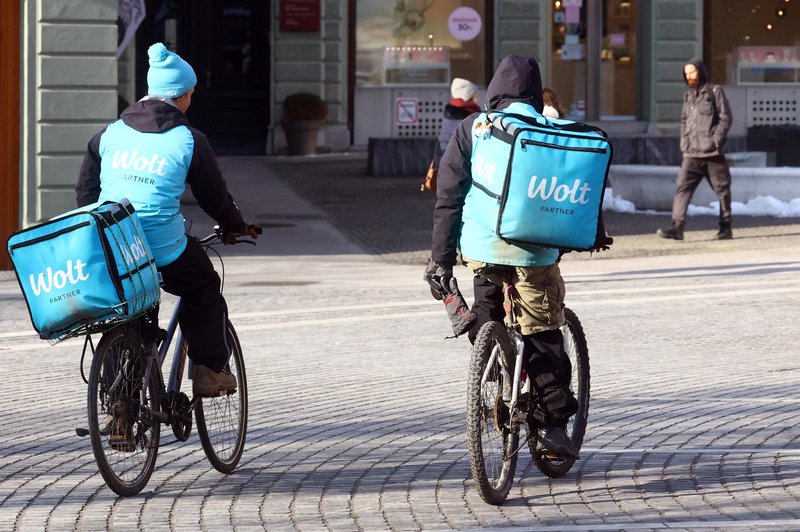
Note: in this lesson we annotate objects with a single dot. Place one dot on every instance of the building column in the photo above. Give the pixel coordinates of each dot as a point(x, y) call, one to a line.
point(69, 79)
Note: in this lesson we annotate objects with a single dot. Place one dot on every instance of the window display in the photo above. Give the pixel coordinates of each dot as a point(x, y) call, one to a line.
point(753, 42)
point(404, 42)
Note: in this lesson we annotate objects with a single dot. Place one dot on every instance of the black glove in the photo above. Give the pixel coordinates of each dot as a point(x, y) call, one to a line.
point(602, 241)
point(251, 230)
point(438, 276)
point(461, 317)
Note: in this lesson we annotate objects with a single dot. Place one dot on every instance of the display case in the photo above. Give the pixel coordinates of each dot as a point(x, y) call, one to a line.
point(775, 65)
point(415, 65)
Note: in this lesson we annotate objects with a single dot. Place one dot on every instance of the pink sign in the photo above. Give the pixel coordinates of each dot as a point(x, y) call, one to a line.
point(572, 10)
point(464, 23)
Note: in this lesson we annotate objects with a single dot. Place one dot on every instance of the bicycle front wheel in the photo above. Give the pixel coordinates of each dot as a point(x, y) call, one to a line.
point(492, 439)
point(222, 420)
point(578, 352)
point(124, 439)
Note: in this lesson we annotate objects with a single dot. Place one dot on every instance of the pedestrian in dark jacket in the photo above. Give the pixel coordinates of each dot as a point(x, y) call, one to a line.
point(539, 302)
point(148, 156)
point(705, 122)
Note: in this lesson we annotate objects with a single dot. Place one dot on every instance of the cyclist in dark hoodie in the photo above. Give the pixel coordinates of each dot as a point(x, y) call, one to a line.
point(538, 281)
point(705, 122)
point(149, 156)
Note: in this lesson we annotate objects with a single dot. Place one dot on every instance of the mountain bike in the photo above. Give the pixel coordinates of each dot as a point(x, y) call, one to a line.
point(128, 400)
point(499, 402)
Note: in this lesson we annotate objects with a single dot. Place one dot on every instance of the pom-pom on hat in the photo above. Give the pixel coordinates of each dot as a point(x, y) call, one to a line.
point(169, 75)
point(462, 88)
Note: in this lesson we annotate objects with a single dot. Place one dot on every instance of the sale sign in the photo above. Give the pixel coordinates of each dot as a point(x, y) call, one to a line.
point(464, 23)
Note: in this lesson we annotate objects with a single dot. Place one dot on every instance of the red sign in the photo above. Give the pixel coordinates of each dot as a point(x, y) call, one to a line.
point(406, 111)
point(300, 15)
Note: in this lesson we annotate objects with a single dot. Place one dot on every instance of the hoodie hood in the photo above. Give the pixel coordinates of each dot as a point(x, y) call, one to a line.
point(517, 79)
point(153, 116)
point(701, 69)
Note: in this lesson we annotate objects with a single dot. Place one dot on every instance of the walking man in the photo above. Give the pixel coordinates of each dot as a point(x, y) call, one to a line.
point(705, 121)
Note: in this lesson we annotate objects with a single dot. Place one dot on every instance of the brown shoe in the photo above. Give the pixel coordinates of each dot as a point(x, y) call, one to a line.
point(121, 437)
point(209, 383)
point(673, 232)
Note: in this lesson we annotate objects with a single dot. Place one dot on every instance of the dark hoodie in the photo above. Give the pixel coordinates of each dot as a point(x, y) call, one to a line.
point(202, 175)
point(517, 79)
point(705, 117)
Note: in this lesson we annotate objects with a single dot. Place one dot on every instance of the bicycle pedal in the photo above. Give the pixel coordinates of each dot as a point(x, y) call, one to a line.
point(82, 432)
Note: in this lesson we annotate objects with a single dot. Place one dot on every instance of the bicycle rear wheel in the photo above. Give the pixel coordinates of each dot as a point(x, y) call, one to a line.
point(124, 441)
point(578, 352)
point(492, 443)
point(222, 420)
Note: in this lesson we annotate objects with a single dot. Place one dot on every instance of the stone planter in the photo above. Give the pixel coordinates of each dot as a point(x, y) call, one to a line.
point(301, 136)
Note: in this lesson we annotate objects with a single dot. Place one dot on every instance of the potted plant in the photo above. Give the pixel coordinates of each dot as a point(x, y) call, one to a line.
point(303, 114)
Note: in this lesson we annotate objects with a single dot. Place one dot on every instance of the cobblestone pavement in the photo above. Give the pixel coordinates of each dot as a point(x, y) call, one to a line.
point(357, 402)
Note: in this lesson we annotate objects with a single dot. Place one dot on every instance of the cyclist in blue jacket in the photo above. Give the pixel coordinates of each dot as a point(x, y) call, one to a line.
point(149, 155)
point(537, 278)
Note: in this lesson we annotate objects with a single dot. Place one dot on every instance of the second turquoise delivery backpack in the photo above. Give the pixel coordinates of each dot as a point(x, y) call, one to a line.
point(85, 270)
point(538, 181)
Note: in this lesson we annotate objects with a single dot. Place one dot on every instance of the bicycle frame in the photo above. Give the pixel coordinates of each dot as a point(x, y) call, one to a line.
point(178, 356)
point(512, 326)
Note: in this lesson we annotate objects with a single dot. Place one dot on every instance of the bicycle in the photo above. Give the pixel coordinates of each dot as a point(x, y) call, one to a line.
point(128, 400)
point(499, 402)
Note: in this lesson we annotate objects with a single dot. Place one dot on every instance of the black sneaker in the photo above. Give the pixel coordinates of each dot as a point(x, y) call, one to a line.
point(725, 233)
point(553, 439)
point(673, 233)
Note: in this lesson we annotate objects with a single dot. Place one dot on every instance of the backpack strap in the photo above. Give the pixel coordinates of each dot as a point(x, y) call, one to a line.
point(576, 127)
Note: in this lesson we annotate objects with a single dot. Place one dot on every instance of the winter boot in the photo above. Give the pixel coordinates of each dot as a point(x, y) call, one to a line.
point(673, 232)
point(725, 232)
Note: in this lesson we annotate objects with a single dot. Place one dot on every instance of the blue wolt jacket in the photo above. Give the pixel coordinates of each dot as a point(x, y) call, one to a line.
point(149, 155)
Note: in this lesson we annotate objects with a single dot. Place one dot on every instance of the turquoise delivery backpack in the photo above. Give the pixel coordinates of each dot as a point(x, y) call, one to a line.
point(85, 271)
point(538, 181)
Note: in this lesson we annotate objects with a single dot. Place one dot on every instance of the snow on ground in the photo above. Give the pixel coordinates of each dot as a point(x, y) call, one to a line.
point(758, 206)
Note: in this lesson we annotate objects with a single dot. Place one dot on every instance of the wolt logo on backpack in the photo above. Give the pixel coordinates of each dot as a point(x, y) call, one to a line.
point(135, 252)
point(72, 274)
point(559, 193)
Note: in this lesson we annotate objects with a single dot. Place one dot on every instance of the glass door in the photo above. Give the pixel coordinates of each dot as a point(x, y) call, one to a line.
point(608, 63)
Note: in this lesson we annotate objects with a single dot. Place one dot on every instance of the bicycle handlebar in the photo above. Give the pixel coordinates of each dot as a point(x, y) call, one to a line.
point(217, 238)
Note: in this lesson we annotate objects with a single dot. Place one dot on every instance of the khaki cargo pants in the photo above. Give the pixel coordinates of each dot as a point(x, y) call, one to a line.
point(539, 302)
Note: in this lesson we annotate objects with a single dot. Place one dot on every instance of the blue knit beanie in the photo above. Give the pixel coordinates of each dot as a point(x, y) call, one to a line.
point(169, 75)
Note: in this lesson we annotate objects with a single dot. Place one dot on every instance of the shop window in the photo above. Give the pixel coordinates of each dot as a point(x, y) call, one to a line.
point(618, 58)
point(418, 42)
point(753, 43)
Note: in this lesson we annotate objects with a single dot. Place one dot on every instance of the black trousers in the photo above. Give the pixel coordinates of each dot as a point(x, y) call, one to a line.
point(547, 362)
point(203, 315)
point(693, 171)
